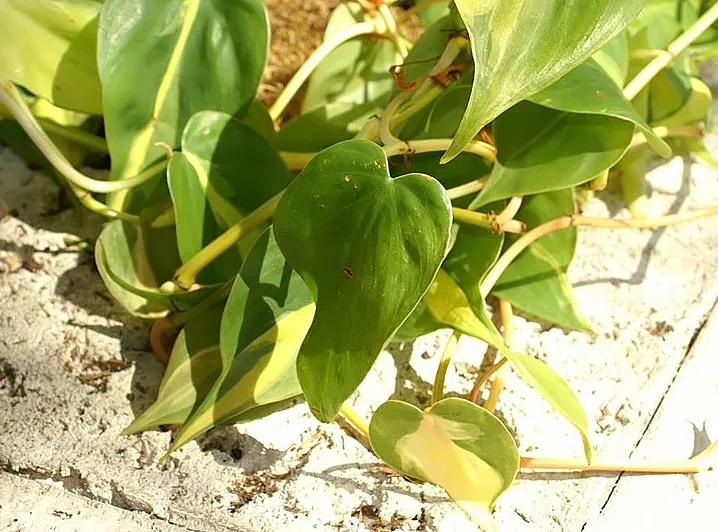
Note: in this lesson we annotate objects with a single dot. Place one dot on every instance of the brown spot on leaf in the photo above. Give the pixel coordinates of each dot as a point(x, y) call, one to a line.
point(348, 272)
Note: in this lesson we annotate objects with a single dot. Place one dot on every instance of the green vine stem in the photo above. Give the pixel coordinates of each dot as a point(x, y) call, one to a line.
point(11, 98)
point(476, 390)
point(357, 421)
point(575, 220)
point(704, 461)
point(93, 205)
point(676, 47)
point(363, 28)
point(488, 221)
point(392, 30)
point(406, 147)
point(185, 276)
point(467, 189)
point(438, 390)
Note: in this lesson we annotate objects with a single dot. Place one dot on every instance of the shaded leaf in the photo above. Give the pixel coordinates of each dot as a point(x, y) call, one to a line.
point(540, 150)
point(614, 58)
point(160, 62)
point(133, 261)
point(518, 51)
point(264, 322)
point(193, 368)
point(455, 444)
point(368, 246)
point(536, 280)
point(50, 47)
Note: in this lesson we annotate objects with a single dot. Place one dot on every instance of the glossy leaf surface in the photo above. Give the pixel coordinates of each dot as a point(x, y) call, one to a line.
point(588, 89)
point(264, 322)
point(193, 368)
point(211, 191)
point(541, 149)
point(368, 246)
point(536, 280)
point(160, 62)
point(455, 444)
point(518, 49)
point(50, 49)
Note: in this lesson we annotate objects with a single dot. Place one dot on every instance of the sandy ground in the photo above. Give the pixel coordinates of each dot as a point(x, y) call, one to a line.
point(74, 370)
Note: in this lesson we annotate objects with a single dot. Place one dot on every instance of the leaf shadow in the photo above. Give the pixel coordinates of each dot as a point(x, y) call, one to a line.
point(409, 386)
point(615, 204)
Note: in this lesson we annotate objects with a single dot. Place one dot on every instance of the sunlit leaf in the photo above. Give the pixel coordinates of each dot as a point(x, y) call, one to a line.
point(50, 49)
point(160, 62)
point(457, 445)
point(264, 322)
point(368, 246)
point(193, 368)
point(523, 46)
point(614, 58)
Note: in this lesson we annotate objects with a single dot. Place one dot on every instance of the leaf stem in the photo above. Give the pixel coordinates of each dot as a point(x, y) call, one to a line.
point(507, 314)
point(74, 134)
point(676, 47)
point(393, 31)
point(694, 465)
point(487, 221)
point(13, 101)
point(356, 419)
point(570, 220)
point(93, 205)
point(438, 390)
point(362, 28)
point(476, 390)
point(187, 273)
point(477, 147)
point(467, 188)
point(696, 130)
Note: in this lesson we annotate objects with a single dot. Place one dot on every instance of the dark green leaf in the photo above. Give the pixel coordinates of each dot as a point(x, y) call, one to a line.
point(588, 89)
point(540, 150)
point(368, 247)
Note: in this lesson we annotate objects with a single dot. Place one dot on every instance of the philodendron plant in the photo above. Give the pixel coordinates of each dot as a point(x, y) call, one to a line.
point(278, 257)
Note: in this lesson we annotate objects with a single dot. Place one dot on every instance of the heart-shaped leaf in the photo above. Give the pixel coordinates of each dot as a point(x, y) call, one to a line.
point(264, 322)
point(160, 62)
point(193, 368)
point(211, 192)
point(50, 48)
point(541, 149)
point(134, 260)
point(457, 445)
point(522, 46)
point(536, 280)
point(368, 246)
point(697, 109)
point(588, 89)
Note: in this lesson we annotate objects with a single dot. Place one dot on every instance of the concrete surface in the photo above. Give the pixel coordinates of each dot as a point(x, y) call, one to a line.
point(74, 370)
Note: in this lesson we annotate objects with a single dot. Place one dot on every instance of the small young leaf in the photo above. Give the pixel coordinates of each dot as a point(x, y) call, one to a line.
point(540, 150)
point(193, 368)
point(368, 246)
point(264, 322)
point(457, 445)
point(522, 46)
point(536, 280)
